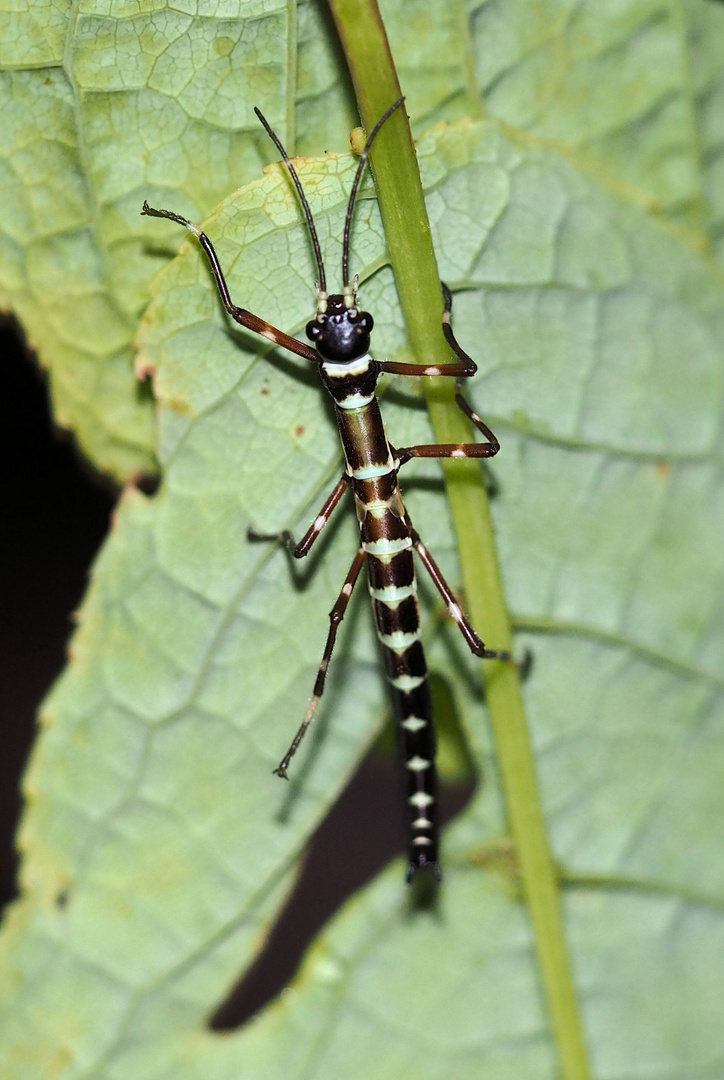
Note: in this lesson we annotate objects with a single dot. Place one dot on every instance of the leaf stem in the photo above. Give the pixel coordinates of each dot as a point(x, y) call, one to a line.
point(409, 240)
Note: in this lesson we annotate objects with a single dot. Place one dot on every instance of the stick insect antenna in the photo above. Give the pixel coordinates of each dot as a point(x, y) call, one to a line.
point(302, 198)
point(355, 185)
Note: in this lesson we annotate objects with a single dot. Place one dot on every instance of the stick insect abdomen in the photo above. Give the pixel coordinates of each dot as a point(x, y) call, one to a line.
point(386, 539)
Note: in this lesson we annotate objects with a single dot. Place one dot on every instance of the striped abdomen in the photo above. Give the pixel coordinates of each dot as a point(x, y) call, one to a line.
point(386, 539)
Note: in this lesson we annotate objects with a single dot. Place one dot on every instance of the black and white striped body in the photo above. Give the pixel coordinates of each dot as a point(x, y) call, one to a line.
point(386, 539)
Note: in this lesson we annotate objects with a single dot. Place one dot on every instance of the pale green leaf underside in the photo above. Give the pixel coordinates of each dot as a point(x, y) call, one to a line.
point(102, 106)
point(152, 805)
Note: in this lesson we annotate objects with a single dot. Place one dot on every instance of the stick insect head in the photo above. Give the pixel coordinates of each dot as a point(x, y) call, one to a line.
point(340, 331)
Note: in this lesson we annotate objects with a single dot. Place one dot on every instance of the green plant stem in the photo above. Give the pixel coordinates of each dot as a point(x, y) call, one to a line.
point(407, 230)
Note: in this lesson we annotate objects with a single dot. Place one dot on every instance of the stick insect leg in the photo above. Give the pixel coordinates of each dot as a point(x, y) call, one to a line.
point(455, 450)
point(463, 369)
point(335, 618)
point(474, 643)
point(240, 315)
point(299, 550)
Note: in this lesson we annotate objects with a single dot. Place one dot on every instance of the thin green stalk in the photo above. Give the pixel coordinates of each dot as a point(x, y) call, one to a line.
point(407, 230)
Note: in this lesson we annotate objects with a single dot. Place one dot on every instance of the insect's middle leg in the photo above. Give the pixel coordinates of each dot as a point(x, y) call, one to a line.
point(455, 450)
point(335, 618)
point(299, 550)
point(471, 636)
point(464, 368)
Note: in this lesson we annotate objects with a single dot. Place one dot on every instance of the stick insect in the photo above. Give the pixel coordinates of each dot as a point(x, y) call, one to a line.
point(340, 333)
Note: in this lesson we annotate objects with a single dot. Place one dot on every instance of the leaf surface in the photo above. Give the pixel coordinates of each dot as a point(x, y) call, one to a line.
point(102, 106)
point(159, 847)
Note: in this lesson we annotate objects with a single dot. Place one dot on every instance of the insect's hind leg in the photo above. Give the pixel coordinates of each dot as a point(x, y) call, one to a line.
point(299, 550)
point(335, 618)
point(471, 636)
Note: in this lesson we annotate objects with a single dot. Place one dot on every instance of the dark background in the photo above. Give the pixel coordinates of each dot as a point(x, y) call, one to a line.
point(56, 517)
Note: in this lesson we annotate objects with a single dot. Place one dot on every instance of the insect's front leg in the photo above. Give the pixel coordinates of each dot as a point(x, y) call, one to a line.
point(463, 369)
point(299, 550)
point(241, 315)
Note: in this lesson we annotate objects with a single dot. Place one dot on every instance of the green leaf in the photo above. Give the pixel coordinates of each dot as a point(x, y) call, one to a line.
point(103, 107)
point(157, 847)
point(608, 81)
point(100, 108)
point(152, 805)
